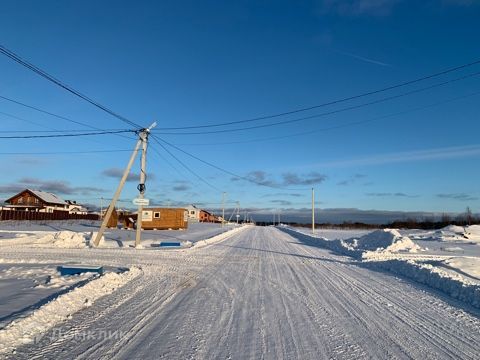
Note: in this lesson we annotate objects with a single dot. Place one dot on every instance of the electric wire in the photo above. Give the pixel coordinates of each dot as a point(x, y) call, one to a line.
point(10, 54)
point(64, 152)
point(50, 114)
point(332, 112)
point(334, 127)
point(333, 102)
point(52, 131)
point(185, 166)
point(47, 113)
point(65, 135)
point(159, 140)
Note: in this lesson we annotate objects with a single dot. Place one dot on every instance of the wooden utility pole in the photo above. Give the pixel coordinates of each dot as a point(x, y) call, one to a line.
point(143, 134)
point(117, 194)
point(313, 211)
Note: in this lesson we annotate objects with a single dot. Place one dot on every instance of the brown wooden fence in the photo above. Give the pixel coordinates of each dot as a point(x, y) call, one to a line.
point(32, 215)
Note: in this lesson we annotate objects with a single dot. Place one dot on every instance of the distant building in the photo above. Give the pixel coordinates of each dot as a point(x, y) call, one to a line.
point(42, 201)
point(74, 208)
point(193, 213)
point(206, 216)
point(159, 219)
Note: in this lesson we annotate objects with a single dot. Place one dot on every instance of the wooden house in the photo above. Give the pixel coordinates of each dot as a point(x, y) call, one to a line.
point(160, 219)
point(38, 201)
point(205, 216)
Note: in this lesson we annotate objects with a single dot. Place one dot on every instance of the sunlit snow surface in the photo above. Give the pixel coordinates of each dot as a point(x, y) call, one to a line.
point(256, 293)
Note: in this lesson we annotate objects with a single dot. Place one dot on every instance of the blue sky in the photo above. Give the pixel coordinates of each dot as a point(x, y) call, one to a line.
point(190, 63)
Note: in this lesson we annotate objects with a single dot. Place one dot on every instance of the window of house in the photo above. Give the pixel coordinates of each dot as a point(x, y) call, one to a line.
point(156, 215)
point(20, 200)
point(192, 212)
point(36, 201)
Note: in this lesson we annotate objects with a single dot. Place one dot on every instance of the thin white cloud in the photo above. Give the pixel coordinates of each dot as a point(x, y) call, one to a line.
point(408, 156)
point(364, 59)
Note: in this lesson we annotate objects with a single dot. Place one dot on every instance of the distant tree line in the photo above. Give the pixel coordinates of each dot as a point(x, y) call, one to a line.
point(465, 219)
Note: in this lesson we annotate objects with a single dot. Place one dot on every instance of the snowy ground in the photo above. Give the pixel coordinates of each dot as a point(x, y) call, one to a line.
point(76, 234)
point(26, 286)
point(447, 260)
point(260, 293)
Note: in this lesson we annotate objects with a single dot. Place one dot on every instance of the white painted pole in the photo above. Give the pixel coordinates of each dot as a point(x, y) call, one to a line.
point(223, 209)
point(238, 210)
point(313, 211)
point(117, 194)
point(141, 188)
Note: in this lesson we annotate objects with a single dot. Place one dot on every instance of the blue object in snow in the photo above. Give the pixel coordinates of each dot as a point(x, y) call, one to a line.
point(169, 244)
point(78, 269)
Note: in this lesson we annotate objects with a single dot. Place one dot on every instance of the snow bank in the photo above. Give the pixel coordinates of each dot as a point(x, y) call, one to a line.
point(29, 329)
point(455, 277)
point(61, 239)
point(455, 285)
point(383, 240)
point(219, 237)
point(387, 240)
point(468, 234)
point(69, 239)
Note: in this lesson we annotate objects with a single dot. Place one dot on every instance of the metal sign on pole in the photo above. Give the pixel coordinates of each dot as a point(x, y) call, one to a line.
point(140, 201)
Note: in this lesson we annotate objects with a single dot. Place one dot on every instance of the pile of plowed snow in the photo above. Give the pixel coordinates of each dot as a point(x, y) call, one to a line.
point(382, 240)
point(458, 233)
point(388, 240)
point(69, 239)
point(30, 328)
point(61, 239)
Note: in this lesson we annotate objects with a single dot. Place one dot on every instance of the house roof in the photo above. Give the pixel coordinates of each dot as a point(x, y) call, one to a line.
point(47, 197)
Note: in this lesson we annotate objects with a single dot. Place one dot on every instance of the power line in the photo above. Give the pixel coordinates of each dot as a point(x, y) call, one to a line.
point(332, 112)
point(50, 114)
point(333, 102)
point(334, 127)
point(49, 77)
point(51, 131)
point(64, 152)
point(25, 120)
point(65, 135)
point(46, 112)
point(185, 166)
point(158, 139)
point(168, 162)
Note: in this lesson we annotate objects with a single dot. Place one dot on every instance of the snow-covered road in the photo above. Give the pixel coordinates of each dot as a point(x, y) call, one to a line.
point(259, 294)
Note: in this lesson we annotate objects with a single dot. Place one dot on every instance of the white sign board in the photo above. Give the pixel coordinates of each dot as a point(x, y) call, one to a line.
point(138, 201)
point(147, 215)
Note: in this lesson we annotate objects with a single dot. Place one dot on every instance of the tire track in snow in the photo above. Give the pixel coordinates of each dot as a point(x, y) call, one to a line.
point(400, 307)
point(261, 294)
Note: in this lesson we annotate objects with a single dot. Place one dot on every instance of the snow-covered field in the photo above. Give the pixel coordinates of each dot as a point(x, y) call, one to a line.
point(34, 296)
point(77, 234)
point(251, 293)
point(447, 259)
